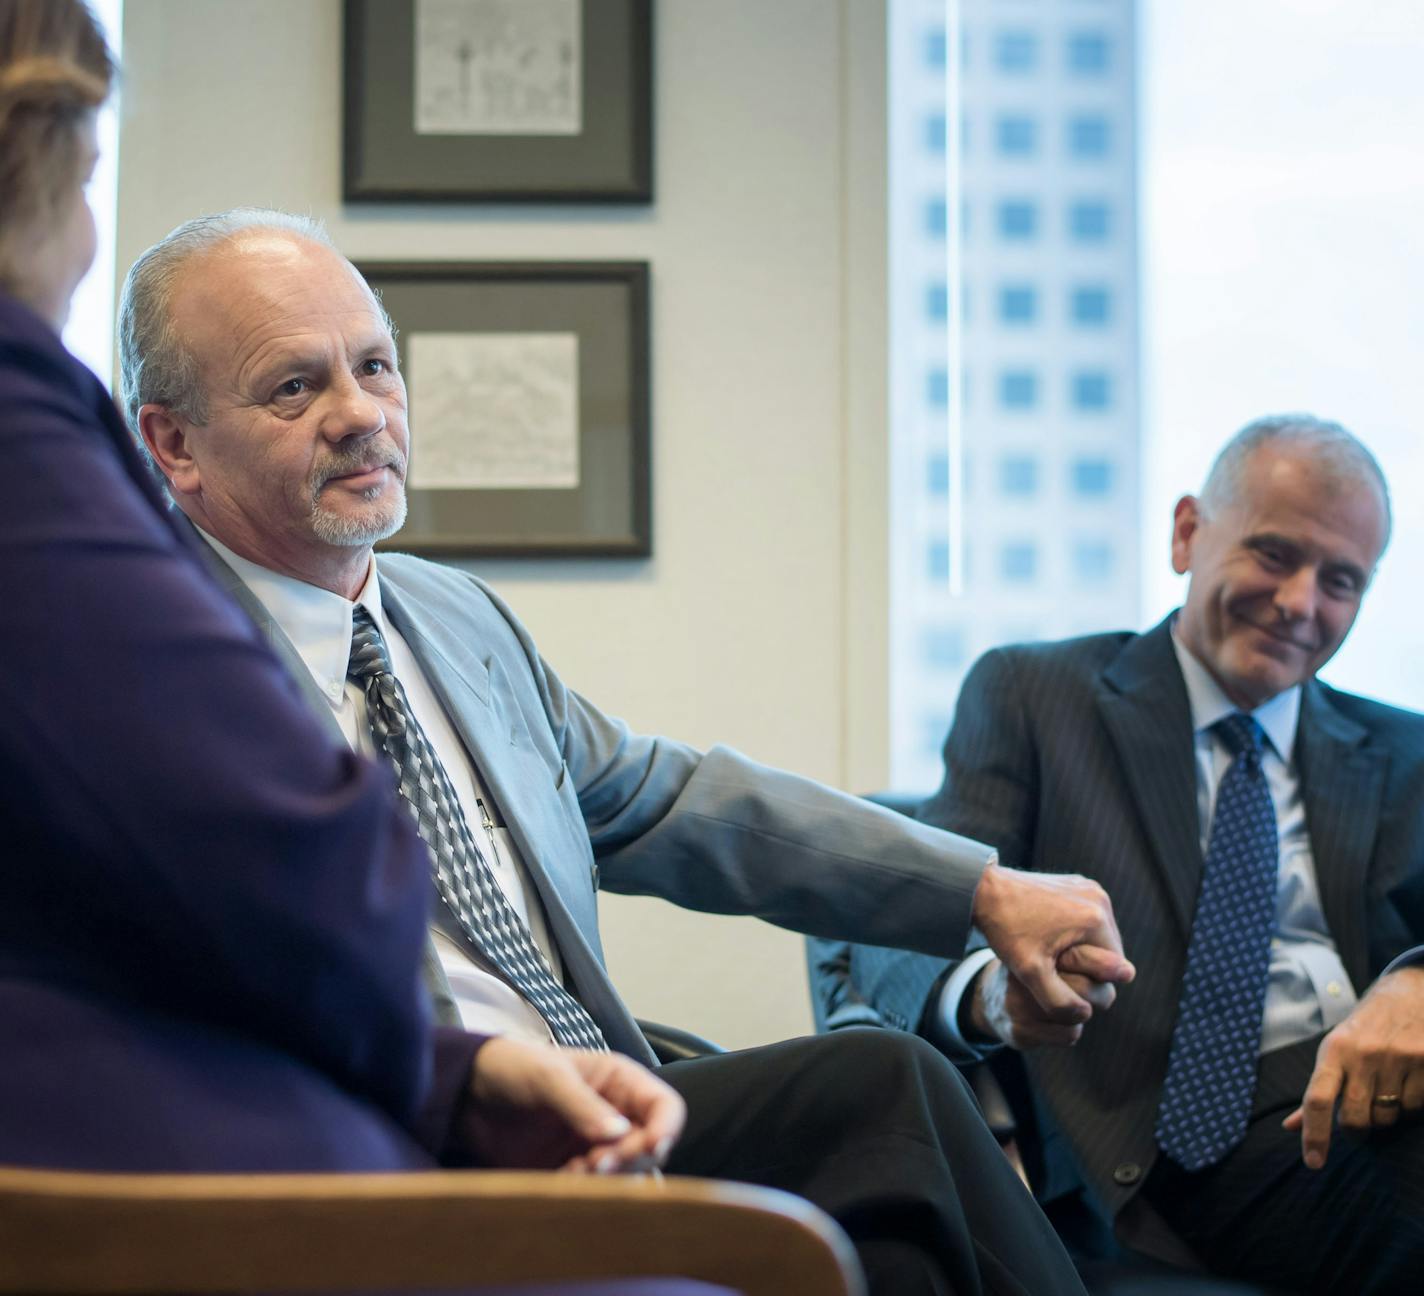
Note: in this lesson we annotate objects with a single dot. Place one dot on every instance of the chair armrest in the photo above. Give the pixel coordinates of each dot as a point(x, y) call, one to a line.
point(102, 1233)
point(673, 1044)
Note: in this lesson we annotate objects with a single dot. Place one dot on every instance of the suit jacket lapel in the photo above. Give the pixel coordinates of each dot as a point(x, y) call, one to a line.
point(516, 777)
point(276, 637)
point(1143, 703)
point(1342, 781)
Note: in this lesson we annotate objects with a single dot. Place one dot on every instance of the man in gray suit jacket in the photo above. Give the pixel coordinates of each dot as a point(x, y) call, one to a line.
point(261, 374)
point(1106, 755)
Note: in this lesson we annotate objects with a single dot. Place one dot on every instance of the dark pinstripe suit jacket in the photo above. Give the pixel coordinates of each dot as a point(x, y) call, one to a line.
point(1077, 757)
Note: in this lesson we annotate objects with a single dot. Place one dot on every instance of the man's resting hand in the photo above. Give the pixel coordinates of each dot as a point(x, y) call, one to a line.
point(536, 1107)
point(1372, 1064)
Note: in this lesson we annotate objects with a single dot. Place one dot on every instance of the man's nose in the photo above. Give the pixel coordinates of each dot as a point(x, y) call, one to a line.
point(1296, 595)
point(353, 411)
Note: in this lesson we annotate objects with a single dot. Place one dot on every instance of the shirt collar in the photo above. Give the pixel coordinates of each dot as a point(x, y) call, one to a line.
point(1277, 717)
point(315, 620)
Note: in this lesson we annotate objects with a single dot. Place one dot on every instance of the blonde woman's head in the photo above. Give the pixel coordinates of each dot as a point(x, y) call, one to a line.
point(55, 71)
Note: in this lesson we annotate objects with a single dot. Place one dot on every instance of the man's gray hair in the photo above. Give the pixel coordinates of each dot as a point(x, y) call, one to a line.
point(1339, 453)
point(156, 365)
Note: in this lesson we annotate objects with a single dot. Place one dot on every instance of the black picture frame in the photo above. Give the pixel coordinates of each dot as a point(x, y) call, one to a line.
point(609, 161)
point(605, 305)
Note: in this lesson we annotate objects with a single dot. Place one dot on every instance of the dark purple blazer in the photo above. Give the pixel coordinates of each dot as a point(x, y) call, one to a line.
point(211, 915)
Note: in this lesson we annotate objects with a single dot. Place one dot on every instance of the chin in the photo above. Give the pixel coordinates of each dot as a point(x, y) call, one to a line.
point(355, 530)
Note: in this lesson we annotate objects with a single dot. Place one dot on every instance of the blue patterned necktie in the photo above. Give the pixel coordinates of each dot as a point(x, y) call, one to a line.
point(1211, 1072)
point(463, 877)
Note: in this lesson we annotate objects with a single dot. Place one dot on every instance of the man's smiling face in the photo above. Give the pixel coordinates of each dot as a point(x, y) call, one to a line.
point(1278, 571)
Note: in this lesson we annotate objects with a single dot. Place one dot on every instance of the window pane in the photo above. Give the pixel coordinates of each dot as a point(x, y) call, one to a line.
point(937, 561)
point(1087, 53)
point(1018, 562)
point(1018, 304)
point(1091, 478)
point(1091, 390)
point(937, 474)
point(1018, 389)
point(936, 219)
point(1018, 475)
point(1088, 137)
point(1088, 221)
point(1016, 51)
point(1092, 562)
point(935, 49)
point(1016, 136)
point(1089, 305)
point(1018, 219)
point(945, 647)
point(934, 133)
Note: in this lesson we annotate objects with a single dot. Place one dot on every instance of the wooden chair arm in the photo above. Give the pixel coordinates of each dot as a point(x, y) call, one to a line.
point(104, 1233)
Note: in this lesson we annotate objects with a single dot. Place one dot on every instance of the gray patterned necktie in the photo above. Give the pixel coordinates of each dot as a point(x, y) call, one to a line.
point(463, 877)
point(1211, 1072)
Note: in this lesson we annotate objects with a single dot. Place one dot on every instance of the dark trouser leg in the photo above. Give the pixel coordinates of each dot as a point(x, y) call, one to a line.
point(1356, 1226)
point(878, 1130)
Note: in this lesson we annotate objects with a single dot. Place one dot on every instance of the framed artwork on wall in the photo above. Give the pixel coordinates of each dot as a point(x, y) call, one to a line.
point(529, 406)
point(498, 101)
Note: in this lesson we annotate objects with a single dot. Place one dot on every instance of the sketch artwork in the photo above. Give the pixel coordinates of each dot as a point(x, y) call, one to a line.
point(498, 67)
point(493, 411)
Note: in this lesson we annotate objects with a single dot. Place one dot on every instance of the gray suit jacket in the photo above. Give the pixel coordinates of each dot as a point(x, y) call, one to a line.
point(1077, 757)
point(590, 803)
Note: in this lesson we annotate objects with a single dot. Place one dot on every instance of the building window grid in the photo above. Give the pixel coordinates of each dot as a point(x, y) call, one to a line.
point(1018, 218)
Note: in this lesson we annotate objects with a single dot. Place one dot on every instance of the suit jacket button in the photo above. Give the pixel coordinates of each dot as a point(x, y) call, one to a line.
point(1128, 1173)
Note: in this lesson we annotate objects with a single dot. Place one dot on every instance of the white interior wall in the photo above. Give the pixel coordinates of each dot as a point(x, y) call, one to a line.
point(760, 621)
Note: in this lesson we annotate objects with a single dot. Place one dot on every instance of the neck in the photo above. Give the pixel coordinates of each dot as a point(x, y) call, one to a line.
point(339, 568)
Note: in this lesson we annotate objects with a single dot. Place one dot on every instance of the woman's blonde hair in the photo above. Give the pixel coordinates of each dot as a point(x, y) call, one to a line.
point(55, 69)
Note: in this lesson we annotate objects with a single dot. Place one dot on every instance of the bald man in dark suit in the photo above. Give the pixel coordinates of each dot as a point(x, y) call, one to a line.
point(1108, 756)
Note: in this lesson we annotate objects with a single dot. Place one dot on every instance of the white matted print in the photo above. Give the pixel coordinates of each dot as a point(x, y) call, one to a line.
point(493, 411)
point(498, 67)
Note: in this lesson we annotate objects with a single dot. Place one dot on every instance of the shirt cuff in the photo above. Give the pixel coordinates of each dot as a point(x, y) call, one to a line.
point(944, 1030)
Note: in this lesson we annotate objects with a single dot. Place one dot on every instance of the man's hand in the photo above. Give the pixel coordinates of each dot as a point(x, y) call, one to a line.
point(1372, 1064)
point(536, 1107)
point(1032, 919)
point(1003, 1009)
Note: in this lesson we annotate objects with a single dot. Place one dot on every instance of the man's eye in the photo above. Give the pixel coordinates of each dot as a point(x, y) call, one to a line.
point(374, 366)
point(292, 387)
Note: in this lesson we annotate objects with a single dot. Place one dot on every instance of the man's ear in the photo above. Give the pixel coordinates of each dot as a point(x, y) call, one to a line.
point(1186, 521)
point(166, 436)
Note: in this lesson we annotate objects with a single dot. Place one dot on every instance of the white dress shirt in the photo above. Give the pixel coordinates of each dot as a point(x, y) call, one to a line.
point(1308, 990)
point(318, 623)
